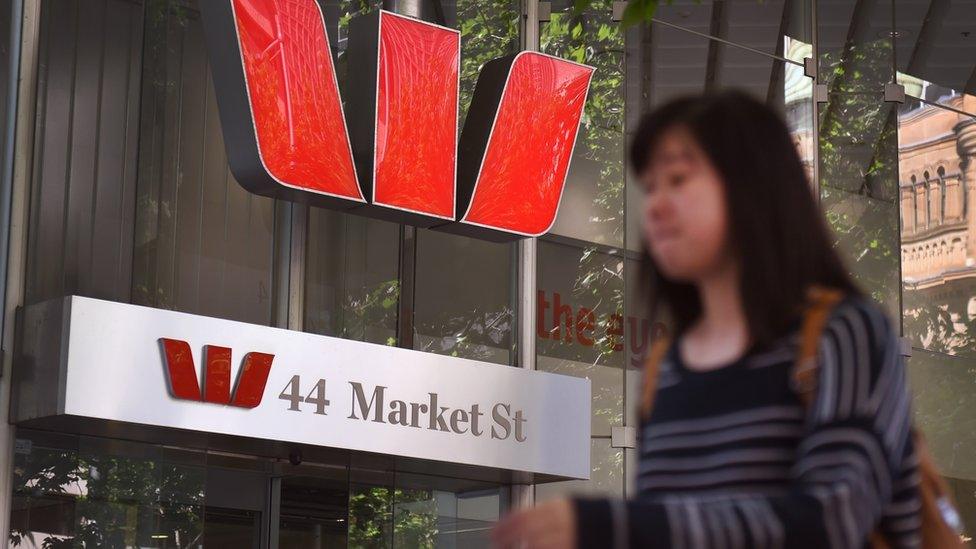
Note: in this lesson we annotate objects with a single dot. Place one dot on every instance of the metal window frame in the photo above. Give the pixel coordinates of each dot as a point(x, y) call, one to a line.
point(24, 68)
point(522, 494)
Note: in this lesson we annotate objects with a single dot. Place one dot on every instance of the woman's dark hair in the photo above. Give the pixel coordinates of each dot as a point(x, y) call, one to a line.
point(777, 230)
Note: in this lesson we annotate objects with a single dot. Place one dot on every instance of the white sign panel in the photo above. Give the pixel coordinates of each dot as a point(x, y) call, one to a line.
point(163, 368)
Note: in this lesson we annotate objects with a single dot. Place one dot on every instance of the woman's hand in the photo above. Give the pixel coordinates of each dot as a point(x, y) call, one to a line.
point(550, 525)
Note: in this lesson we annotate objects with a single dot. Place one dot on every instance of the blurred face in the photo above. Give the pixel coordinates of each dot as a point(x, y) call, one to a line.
point(686, 225)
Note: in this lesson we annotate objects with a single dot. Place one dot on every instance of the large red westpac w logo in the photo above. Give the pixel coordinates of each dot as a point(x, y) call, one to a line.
point(182, 372)
point(395, 152)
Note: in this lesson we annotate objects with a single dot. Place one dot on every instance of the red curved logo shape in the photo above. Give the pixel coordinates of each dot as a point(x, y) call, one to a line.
point(394, 151)
point(182, 373)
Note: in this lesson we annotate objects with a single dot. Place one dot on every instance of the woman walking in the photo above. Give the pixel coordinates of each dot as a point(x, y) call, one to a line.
point(742, 445)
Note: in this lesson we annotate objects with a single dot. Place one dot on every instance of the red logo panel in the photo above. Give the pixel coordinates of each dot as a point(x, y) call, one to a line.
point(252, 378)
point(182, 373)
point(522, 171)
point(417, 116)
point(294, 99)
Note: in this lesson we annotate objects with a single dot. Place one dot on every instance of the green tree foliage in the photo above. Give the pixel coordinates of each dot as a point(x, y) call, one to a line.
point(380, 516)
point(858, 143)
point(588, 35)
point(592, 38)
point(637, 11)
point(108, 501)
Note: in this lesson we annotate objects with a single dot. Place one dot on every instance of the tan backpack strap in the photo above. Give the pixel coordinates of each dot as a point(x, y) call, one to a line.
point(820, 303)
point(652, 368)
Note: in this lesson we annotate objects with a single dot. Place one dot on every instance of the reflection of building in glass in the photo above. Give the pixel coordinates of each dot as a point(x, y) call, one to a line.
point(797, 93)
point(937, 167)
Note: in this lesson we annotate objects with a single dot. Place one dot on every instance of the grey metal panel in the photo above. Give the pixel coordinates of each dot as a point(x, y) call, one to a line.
point(85, 123)
point(85, 150)
point(217, 185)
point(203, 243)
point(40, 357)
point(153, 272)
point(152, 111)
point(188, 181)
point(114, 201)
point(54, 103)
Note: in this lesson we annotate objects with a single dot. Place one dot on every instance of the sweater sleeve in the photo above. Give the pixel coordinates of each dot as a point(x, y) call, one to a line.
point(855, 460)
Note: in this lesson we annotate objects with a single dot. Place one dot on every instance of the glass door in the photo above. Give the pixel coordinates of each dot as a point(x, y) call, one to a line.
point(313, 510)
point(236, 508)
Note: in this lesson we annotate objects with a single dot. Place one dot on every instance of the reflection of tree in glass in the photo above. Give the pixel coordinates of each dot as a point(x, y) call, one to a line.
point(116, 502)
point(372, 510)
point(592, 38)
point(858, 168)
point(475, 334)
point(859, 184)
point(347, 10)
point(595, 284)
point(937, 325)
point(636, 11)
point(373, 307)
point(489, 29)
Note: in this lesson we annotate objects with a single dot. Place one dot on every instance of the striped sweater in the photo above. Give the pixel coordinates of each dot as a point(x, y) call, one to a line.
point(730, 458)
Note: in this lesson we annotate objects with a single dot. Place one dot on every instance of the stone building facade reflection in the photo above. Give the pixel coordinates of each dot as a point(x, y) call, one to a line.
point(937, 167)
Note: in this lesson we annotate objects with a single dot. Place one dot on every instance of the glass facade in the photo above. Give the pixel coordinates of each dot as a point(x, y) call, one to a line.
point(590, 316)
point(131, 200)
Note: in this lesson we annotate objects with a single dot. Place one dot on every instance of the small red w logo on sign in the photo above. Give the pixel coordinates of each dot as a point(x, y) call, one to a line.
point(217, 387)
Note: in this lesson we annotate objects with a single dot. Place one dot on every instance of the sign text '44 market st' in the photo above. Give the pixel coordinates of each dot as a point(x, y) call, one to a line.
point(393, 151)
point(368, 403)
